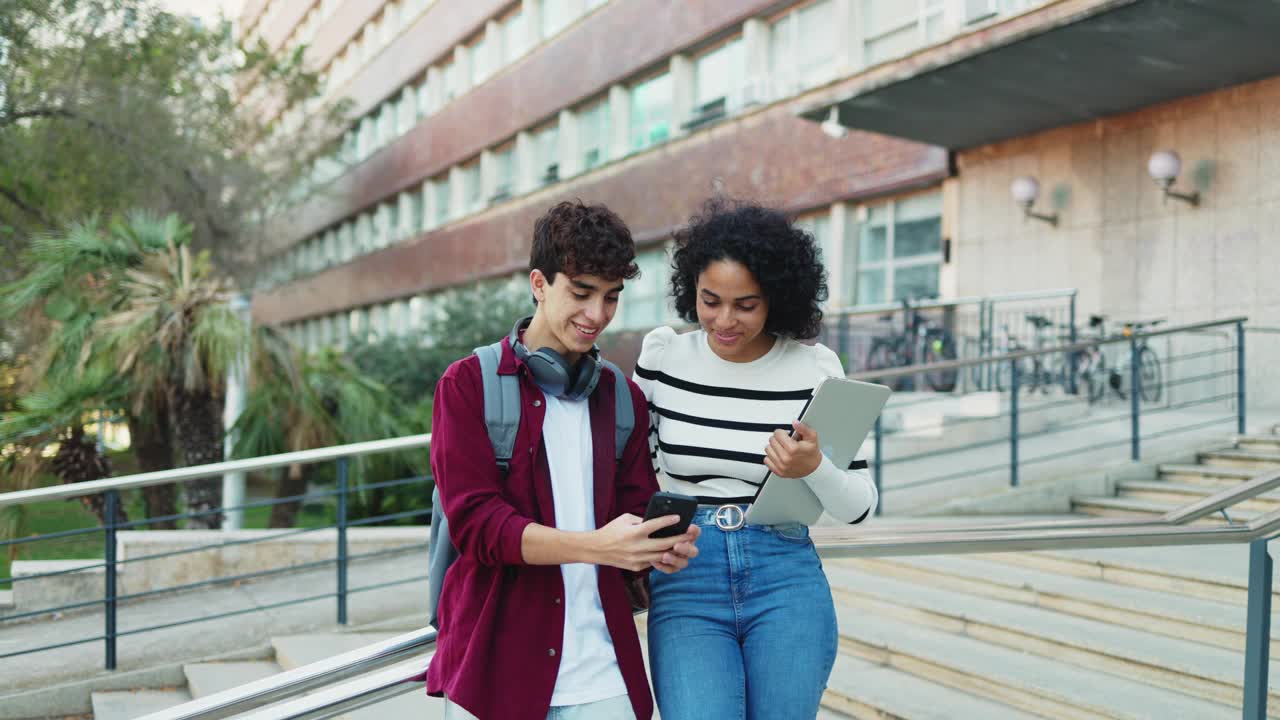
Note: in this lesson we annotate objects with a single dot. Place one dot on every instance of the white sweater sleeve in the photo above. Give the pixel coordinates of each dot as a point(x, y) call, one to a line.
point(847, 495)
point(652, 350)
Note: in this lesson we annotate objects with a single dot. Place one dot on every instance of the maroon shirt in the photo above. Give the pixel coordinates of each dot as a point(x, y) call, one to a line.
point(502, 621)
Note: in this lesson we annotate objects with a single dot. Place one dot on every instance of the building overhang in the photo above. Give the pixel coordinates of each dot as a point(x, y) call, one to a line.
point(1064, 63)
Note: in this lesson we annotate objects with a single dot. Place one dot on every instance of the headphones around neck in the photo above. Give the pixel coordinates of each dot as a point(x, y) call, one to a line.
point(553, 373)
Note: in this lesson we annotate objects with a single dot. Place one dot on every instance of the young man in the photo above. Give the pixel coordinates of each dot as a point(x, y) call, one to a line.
point(534, 616)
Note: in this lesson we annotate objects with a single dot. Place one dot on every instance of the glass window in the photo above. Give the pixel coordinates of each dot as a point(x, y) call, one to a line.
point(547, 152)
point(442, 193)
point(556, 16)
point(346, 241)
point(425, 104)
point(479, 53)
point(514, 38)
point(504, 173)
point(644, 301)
point(651, 112)
point(364, 233)
point(450, 74)
point(471, 190)
point(719, 73)
point(900, 250)
point(593, 134)
point(818, 39)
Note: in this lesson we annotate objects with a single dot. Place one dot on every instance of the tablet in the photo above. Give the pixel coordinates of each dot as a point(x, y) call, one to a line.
point(842, 412)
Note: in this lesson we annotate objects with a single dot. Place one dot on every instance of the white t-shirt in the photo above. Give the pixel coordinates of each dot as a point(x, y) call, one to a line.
point(588, 664)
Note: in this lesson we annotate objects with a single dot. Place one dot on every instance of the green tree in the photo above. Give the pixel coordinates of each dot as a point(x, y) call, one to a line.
point(134, 298)
point(311, 401)
point(107, 105)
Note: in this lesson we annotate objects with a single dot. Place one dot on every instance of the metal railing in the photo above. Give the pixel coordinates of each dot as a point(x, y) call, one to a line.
point(835, 542)
point(1218, 389)
point(112, 488)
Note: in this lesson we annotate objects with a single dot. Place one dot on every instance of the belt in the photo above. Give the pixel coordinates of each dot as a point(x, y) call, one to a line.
point(727, 517)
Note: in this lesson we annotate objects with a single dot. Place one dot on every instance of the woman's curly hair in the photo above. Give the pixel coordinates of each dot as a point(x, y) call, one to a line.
point(784, 259)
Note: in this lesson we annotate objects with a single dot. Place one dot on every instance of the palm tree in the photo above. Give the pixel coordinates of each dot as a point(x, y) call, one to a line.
point(72, 278)
point(173, 335)
point(302, 402)
point(46, 434)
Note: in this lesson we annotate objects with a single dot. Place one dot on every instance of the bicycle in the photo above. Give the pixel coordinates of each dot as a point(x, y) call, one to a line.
point(935, 343)
point(1095, 374)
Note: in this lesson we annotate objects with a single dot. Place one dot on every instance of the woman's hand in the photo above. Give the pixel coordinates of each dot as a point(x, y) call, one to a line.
point(793, 457)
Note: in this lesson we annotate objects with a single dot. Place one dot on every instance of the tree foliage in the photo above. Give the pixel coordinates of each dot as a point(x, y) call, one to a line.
point(107, 105)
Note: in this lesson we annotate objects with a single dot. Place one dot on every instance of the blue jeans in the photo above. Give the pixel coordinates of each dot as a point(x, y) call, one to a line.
point(615, 708)
point(747, 631)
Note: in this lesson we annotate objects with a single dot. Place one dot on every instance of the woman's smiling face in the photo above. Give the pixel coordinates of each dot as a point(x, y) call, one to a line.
point(732, 309)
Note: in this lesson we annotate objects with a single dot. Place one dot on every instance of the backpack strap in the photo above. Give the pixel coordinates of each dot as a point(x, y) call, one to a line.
point(501, 405)
point(624, 412)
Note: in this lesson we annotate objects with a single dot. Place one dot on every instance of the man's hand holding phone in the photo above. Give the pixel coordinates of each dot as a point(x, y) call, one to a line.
point(626, 543)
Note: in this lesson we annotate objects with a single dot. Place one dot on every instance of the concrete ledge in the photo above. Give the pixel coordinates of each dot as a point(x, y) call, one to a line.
point(138, 574)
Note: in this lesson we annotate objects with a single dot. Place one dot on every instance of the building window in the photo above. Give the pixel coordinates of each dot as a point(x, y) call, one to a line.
point(893, 29)
point(804, 46)
point(546, 143)
point(504, 174)
point(556, 16)
point(718, 78)
point(514, 38)
point(899, 253)
point(450, 74)
point(425, 101)
point(440, 186)
point(651, 112)
point(644, 301)
point(593, 134)
point(472, 192)
point(479, 53)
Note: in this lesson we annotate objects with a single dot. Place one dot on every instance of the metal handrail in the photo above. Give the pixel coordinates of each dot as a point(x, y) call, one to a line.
point(882, 308)
point(1020, 354)
point(292, 683)
point(414, 442)
point(197, 472)
point(831, 543)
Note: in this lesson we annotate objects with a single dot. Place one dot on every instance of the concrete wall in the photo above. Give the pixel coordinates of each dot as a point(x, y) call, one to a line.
point(1130, 254)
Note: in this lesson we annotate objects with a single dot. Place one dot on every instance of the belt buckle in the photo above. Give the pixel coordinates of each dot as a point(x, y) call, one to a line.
point(730, 517)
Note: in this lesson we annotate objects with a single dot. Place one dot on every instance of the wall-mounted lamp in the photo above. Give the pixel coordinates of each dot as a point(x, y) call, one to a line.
point(832, 126)
point(1164, 167)
point(1024, 191)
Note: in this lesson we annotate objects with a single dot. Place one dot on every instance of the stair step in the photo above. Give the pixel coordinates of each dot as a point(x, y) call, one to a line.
point(1213, 623)
point(1126, 507)
point(1210, 572)
point(862, 689)
point(1265, 443)
point(1212, 674)
point(296, 650)
point(1242, 458)
point(1027, 682)
point(129, 704)
point(209, 678)
point(1215, 475)
point(1179, 494)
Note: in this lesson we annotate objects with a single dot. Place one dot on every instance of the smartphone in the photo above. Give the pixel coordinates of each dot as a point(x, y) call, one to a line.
point(666, 503)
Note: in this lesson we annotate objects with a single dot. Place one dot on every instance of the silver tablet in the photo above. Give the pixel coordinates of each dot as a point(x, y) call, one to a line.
point(842, 412)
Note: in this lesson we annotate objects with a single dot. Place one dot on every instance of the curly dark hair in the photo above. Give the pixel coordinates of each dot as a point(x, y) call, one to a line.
point(784, 259)
point(580, 239)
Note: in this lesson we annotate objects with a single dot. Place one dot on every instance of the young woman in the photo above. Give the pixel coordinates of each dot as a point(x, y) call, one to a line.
point(748, 630)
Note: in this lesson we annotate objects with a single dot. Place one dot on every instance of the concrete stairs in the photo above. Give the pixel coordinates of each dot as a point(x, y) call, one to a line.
point(1177, 485)
point(289, 651)
point(1117, 634)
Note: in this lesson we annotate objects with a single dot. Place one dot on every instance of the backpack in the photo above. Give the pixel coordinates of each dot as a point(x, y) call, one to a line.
point(502, 420)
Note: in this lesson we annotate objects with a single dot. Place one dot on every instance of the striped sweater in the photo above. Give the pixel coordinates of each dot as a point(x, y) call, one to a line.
point(710, 419)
